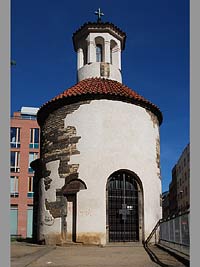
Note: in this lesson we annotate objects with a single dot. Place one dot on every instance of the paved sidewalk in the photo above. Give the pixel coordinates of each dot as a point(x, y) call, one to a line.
point(26, 255)
point(23, 254)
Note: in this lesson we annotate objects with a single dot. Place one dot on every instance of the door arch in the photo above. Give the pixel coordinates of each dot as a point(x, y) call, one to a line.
point(124, 207)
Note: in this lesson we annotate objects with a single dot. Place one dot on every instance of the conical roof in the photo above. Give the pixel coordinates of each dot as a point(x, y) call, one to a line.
point(96, 88)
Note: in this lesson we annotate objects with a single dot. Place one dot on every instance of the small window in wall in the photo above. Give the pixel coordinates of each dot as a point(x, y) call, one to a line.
point(14, 161)
point(14, 186)
point(30, 186)
point(34, 138)
point(14, 137)
point(32, 156)
point(99, 53)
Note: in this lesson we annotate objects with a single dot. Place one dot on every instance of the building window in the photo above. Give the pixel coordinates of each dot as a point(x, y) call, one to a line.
point(28, 117)
point(14, 186)
point(14, 137)
point(99, 53)
point(32, 156)
point(34, 138)
point(13, 220)
point(30, 186)
point(14, 161)
point(29, 226)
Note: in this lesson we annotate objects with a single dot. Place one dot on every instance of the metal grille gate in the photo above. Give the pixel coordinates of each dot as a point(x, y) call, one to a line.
point(123, 208)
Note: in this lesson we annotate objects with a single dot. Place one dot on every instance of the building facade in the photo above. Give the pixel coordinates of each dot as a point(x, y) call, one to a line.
point(179, 188)
point(183, 180)
point(98, 175)
point(173, 201)
point(165, 205)
point(24, 148)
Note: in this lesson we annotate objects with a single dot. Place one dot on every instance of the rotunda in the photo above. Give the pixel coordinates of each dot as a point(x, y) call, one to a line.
point(99, 168)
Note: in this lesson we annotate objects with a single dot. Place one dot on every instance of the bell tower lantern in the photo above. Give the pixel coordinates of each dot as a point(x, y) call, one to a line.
point(98, 46)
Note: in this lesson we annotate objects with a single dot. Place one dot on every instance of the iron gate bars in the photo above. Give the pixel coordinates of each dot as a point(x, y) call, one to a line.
point(123, 208)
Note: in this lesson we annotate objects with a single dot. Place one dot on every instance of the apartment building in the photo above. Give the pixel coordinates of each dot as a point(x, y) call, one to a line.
point(24, 148)
point(165, 204)
point(173, 198)
point(183, 180)
point(179, 188)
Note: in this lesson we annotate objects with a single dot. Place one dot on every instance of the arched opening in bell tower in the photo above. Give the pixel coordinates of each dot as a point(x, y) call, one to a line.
point(99, 53)
point(114, 53)
point(100, 49)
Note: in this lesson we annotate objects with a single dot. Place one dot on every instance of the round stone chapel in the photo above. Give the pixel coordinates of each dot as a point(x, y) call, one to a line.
point(98, 177)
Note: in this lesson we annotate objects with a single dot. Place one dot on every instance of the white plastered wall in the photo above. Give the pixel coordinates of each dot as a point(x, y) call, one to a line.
point(114, 135)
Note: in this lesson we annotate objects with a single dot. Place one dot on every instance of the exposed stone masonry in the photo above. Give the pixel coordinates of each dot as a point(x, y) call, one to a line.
point(59, 143)
point(57, 208)
point(158, 155)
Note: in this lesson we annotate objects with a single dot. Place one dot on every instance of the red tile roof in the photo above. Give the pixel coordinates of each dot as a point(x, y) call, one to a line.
point(97, 88)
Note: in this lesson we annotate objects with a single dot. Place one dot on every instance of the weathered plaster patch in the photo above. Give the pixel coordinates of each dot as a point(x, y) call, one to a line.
point(53, 239)
point(153, 118)
point(92, 238)
point(48, 218)
point(158, 155)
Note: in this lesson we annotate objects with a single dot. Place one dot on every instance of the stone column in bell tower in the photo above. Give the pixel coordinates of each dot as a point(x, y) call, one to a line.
point(90, 49)
point(80, 58)
point(107, 51)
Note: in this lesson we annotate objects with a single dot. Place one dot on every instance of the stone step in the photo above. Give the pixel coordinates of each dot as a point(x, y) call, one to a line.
point(69, 244)
point(124, 244)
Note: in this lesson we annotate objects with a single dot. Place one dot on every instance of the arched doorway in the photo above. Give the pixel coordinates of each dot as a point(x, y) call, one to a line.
point(124, 207)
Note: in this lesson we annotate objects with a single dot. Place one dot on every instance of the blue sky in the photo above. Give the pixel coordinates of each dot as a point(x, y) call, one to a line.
point(155, 62)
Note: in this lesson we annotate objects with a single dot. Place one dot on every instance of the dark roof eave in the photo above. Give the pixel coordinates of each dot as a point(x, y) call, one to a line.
point(95, 25)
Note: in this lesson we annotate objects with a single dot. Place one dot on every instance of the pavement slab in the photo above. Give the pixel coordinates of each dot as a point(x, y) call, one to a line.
point(95, 257)
point(23, 255)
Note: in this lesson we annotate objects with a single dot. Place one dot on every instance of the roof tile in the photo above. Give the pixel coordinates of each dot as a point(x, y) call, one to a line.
point(102, 87)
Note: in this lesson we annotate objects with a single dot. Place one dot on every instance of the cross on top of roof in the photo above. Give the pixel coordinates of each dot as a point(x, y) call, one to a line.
point(99, 14)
